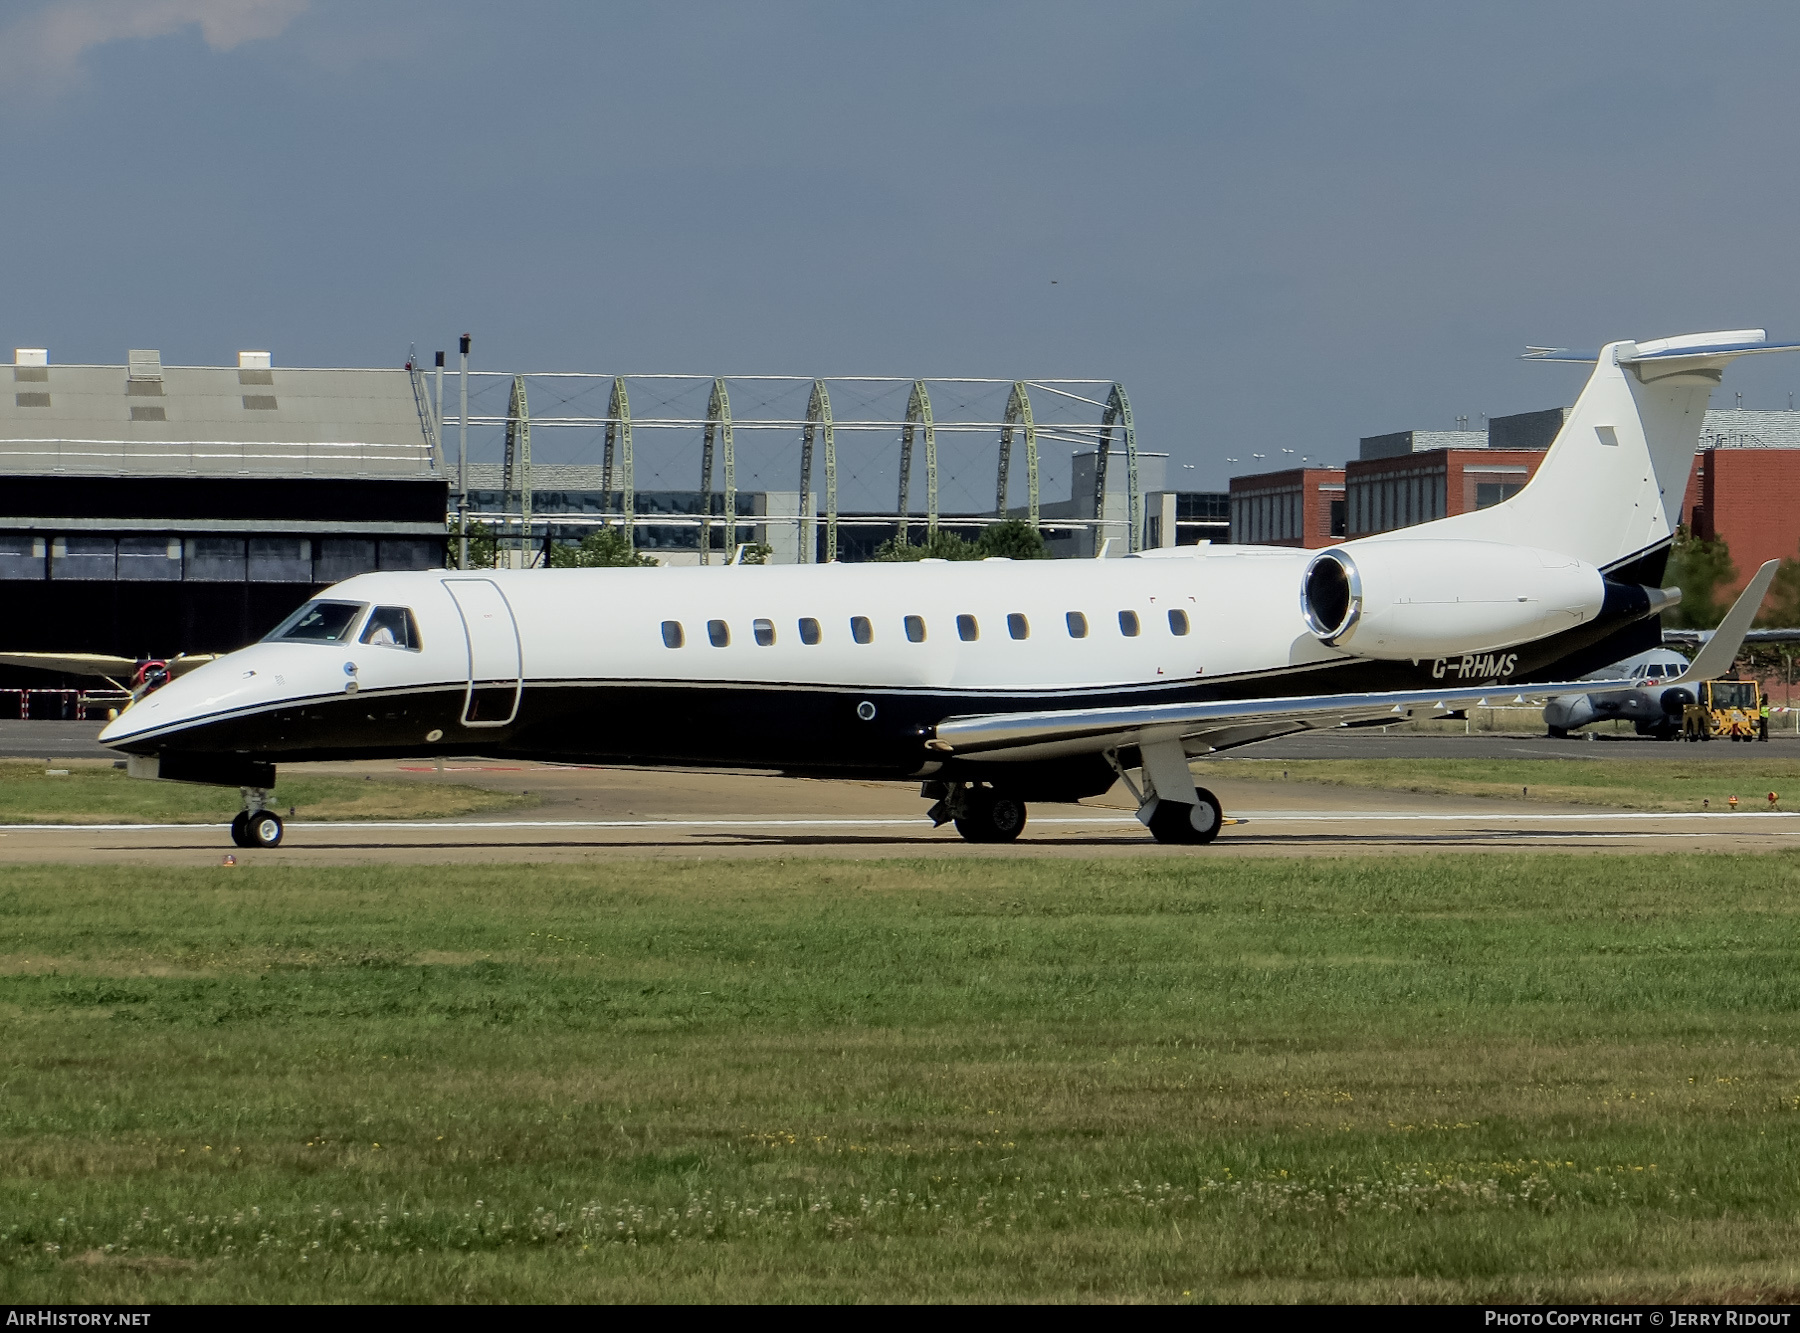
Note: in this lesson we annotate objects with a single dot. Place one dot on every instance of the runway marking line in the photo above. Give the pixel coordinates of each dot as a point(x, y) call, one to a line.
point(1272, 816)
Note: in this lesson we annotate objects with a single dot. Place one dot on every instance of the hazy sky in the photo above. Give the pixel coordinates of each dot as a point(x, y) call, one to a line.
point(1281, 225)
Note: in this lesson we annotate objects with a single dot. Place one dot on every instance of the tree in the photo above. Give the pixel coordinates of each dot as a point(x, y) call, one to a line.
point(1014, 539)
point(603, 548)
point(1781, 608)
point(1698, 567)
point(482, 546)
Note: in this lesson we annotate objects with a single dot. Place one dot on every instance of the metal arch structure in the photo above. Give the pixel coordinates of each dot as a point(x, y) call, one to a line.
point(1117, 412)
point(967, 413)
point(918, 418)
point(618, 433)
point(718, 431)
point(818, 418)
point(518, 453)
point(1018, 416)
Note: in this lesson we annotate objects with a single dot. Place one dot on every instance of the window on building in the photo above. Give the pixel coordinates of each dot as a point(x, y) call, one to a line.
point(1178, 622)
point(1489, 493)
point(1077, 624)
point(153, 559)
point(1128, 624)
point(718, 633)
point(412, 553)
point(85, 558)
point(1339, 525)
point(391, 627)
point(343, 557)
point(1018, 626)
point(764, 630)
point(967, 630)
point(320, 622)
point(280, 560)
point(21, 557)
point(809, 630)
point(861, 630)
point(915, 629)
point(672, 635)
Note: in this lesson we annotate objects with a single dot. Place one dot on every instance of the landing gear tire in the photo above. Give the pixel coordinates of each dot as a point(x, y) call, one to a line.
point(991, 818)
point(240, 828)
point(262, 829)
point(1180, 823)
point(1558, 733)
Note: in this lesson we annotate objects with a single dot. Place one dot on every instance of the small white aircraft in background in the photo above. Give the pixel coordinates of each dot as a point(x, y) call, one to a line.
point(144, 674)
point(994, 684)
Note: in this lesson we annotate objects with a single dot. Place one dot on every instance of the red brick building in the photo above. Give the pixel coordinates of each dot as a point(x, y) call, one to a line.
point(1751, 498)
point(1301, 506)
point(1382, 494)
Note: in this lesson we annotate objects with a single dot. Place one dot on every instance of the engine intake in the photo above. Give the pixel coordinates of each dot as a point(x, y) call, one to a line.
point(1397, 599)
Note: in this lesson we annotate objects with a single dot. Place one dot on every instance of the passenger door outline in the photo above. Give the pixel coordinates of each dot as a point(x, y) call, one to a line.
point(491, 634)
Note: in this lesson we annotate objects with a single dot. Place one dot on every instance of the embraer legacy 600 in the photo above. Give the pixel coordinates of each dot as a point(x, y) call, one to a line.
point(991, 684)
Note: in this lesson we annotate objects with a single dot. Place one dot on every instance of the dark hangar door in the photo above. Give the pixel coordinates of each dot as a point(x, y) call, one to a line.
point(494, 655)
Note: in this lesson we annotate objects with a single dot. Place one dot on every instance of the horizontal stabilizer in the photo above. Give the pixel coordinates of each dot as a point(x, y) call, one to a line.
point(1725, 345)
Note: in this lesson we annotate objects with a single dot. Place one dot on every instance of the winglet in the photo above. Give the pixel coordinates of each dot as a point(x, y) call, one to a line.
point(1718, 653)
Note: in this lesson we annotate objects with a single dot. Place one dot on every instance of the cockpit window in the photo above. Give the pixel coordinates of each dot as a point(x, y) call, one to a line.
point(320, 622)
point(1656, 668)
point(392, 627)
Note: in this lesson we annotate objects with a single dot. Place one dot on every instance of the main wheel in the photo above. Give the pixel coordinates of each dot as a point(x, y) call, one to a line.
point(991, 818)
point(1558, 733)
point(1178, 822)
point(263, 829)
point(240, 827)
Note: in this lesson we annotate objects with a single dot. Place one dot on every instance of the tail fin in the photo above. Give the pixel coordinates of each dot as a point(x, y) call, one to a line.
point(1610, 488)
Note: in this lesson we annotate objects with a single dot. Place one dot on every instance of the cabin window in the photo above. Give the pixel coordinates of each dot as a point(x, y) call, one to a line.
point(764, 630)
point(1128, 624)
point(320, 622)
point(719, 633)
point(392, 627)
point(967, 630)
point(672, 635)
point(915, 629)
point(1077, 624)
point(1018, 626)
point(809, 630)
point(861, 630)
point(1178, 623)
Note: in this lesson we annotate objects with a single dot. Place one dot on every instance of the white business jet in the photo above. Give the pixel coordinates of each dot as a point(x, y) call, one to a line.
point(993, 684)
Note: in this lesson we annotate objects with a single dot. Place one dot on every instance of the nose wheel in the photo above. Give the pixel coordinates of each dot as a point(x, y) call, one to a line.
point(255, 826)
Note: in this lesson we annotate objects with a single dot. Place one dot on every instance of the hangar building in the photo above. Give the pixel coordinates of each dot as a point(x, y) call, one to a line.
point(149, 510)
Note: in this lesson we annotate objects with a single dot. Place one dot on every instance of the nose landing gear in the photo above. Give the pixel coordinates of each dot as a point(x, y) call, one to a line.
point(255, 826)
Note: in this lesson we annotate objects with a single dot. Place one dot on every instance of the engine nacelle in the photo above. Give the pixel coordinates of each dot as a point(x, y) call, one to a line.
point(1411, 599)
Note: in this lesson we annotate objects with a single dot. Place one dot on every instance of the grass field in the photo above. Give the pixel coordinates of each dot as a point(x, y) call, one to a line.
point(1426, 1078)
point(1706, 781)
point(94, 792)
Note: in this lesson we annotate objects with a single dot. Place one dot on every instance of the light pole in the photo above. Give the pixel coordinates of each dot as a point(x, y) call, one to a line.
point(462, 463)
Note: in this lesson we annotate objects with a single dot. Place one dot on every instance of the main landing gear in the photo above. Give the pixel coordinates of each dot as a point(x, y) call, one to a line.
point(1169, 804)
point(255, 826)
point(980, 814)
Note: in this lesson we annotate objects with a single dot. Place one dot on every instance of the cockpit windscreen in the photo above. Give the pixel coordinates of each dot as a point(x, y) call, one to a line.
point(320, 622)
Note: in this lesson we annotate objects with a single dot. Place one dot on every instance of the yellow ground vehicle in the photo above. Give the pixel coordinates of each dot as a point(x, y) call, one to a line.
point(1725, 708)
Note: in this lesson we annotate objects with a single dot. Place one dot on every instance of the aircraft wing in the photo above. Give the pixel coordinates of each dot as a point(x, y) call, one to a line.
point(74, 664)
point(1040, 735)
point(103, 665)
